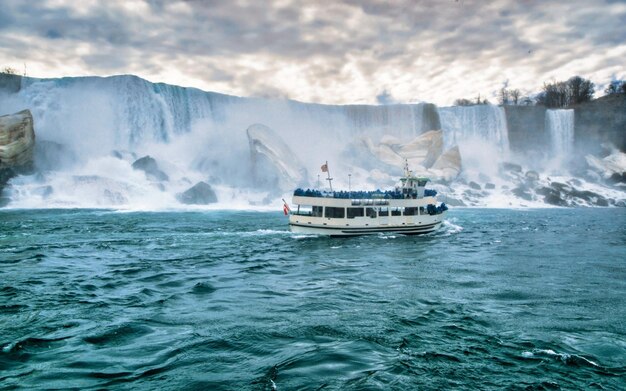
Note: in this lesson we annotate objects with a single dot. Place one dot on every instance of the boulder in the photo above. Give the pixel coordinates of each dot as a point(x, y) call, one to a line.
point(554, 198)
point(617, 178)
point(17, 143)
point(274, 165)
point(199, 194)
point(523, 193)
point(422, 152)
point(532, 176)
point(17, 140)
point(448, 166)
point(149, 166)
point(510, 167)
point(558, 186)
point(610, 168)
point(451, 201)
point(544, 191)
point(474, 185)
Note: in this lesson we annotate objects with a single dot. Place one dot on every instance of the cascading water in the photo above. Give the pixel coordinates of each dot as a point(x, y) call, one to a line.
point(103, 124)
point(90, 131)
point(481, 133)
point(560, 127)
point(479, 122)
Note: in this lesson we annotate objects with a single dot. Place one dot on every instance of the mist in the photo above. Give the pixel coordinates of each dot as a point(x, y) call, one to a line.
point(90, 130)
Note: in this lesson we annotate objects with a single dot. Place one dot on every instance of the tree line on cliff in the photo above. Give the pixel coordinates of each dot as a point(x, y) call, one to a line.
point(556, 94)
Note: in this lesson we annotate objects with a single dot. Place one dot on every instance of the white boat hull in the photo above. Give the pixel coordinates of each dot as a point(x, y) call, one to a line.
point(339, 231)
point(332, 227)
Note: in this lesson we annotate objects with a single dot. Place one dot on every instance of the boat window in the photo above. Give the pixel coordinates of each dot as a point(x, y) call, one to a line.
point(396, 212)
point(410, 211)
point(356, 212)
point(335, 213)
point(370, 212)
point(383, 211)
point(303, 210)
point(317, 211)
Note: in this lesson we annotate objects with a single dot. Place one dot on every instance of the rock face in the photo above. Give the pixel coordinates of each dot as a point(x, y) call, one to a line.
point(526, 125)
point(17, 143)
point(10, 83)
point(200, 194)
point(274, 165)
point(602, 120)
point(448, 166)
point(17, 139)
point(424, 154)
point(609, 168)
point(148, 165)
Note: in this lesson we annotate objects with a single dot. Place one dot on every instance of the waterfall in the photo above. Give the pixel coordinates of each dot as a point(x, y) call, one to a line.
point(481, 133)
point(480, 122)
point(102, 125)
point(560, 127)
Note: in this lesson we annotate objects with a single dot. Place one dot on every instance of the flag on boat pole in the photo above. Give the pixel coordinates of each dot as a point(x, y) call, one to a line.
point(329, 179)
point(286, 208)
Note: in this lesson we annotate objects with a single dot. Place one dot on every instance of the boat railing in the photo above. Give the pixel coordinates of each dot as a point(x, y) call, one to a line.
point(430, 209)
point(360, 195)
point(436, 209)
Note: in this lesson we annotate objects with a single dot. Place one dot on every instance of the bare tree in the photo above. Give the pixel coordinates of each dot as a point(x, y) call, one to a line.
point(515, 96)
point(463, 102)
point(579, 90)
point(566, 93)
point(616, 87)
point(503, 96)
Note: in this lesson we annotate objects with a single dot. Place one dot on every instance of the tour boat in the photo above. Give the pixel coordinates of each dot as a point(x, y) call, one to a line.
point(409, 209)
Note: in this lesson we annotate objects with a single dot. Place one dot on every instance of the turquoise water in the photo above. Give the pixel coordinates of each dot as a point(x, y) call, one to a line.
point(497, 299)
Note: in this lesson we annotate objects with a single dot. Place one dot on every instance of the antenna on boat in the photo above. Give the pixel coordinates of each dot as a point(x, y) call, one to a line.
point(407, 172)
point(349, 184)
point(329, 179)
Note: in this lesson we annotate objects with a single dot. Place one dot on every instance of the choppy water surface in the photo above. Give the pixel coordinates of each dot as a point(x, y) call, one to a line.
point(514, 299)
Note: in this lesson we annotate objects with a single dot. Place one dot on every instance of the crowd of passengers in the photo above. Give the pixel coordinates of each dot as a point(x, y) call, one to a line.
point(339, 212)
point(389, 194)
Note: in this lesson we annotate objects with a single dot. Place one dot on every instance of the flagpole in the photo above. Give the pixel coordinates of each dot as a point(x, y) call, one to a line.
point(329, 179)
point(349, 184)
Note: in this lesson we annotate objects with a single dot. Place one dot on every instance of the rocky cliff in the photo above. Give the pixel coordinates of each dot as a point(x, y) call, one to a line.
point(600, 121)
point(527, 132)
point(10, 83)
point(90, 130)
point(17, 142)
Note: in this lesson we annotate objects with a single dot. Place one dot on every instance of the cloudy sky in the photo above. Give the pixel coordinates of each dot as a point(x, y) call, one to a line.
point(339, 52)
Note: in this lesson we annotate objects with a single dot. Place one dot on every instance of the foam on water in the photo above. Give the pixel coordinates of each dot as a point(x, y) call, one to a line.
point(566, 358)
point(450, 228)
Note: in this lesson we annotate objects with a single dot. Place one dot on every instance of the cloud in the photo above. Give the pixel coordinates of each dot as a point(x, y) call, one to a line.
point(328, 52)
